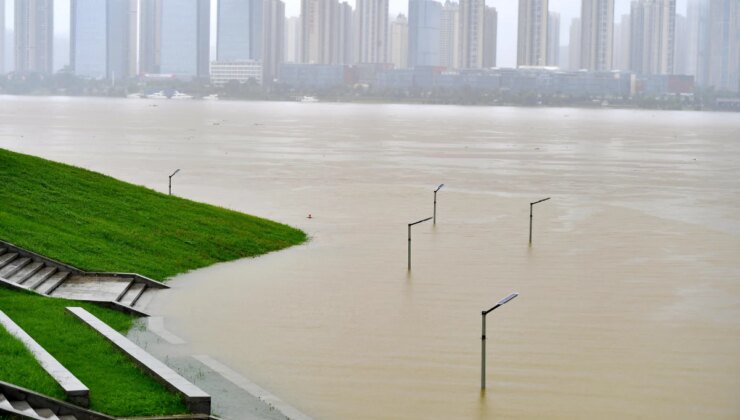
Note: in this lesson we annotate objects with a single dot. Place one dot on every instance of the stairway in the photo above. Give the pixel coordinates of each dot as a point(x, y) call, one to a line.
point(23, 269)
point(24, 410)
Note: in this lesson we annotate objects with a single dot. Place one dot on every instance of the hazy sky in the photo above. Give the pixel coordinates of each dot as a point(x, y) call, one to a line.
point(507, 13)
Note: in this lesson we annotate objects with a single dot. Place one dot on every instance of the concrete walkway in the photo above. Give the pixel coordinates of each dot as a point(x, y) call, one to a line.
point(230, 398)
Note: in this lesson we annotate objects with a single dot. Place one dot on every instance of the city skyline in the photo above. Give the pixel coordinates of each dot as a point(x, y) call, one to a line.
point(507, 17)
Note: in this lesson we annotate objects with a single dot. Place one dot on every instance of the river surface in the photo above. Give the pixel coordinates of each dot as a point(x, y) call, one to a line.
point(629, 301)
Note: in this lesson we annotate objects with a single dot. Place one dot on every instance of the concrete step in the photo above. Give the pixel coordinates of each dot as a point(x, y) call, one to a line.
point(24, 408)
point(6, 258)
point(3, 250)
point(34, 282)
point(45, 413)
point(52, 283)
point(100, 288)
point(29, 270)
point(68, 418)
point(14, 267)
point(133, 294)
point(4, 403)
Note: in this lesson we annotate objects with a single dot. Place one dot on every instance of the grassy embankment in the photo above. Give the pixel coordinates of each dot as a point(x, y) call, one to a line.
point(97, 223)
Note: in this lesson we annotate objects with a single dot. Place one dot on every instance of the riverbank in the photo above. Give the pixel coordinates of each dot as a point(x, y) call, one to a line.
point(98, 223)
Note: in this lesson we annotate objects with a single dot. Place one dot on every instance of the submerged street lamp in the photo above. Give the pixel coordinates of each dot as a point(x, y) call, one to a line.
point(483, 338)
point(412, 224)
point(435, 202)
point(530, 217)
point(173, 174)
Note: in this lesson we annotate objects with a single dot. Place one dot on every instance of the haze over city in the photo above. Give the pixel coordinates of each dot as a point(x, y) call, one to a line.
point(507, 10)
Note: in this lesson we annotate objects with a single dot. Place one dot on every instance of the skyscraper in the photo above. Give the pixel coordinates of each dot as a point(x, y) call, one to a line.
point(424, 32)
point(574, 45)
point(372, 31)
point(597, 34)
point(320, 31)
point(346, 35)
point(490, 37)
point(34, 36)
point(185, 38)
point(697, 48)
point(292, 40)
point(724, 45)
point(2, 36)
point(472, 21)
point(680, 60)
point(150, 36)
point(400, 42)
point(273, 42)
point(621, 50)
point(239, 36)
point(652, 34)
point(532, 33)
point(103, 38)
point(449, 35)
point(553, 39)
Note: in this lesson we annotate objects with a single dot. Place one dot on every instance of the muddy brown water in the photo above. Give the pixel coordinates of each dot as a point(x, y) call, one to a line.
point(629, 301)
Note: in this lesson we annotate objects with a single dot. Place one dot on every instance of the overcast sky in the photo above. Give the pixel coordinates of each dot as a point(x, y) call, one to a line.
point(507, 13)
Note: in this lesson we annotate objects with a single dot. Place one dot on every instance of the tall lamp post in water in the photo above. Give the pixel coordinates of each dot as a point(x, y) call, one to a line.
point(435, 202)
point(412, 224)
point(173, 174)
point(483, 339)
point(530, 217)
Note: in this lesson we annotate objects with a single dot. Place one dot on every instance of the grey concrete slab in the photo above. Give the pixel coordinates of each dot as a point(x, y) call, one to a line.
point(73, 387)
point(7, 258)
point(52, 282)
point(25, 408)
point(197, 400)
point(229, 401)
point(40, 277)
point(91, 288)
point(132, 294)
point(29, 270)
point(4, 403)
point(13, 267)
point(47, 414)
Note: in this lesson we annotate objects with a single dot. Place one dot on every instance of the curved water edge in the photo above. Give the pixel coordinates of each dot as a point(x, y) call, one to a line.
point(627, 306)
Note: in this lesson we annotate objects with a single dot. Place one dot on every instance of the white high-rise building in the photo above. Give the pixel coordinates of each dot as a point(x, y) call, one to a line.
point(532, 33)
point(697, 47)
point(400, 42)
point(597, 34)
point(292, 40)
point(449, 35)
point(472, 26)
point(2, 36)
point(652, 36)
point(574, 45)
point(273, 42)
point(724, 45)
point(621, 50)
point(490, 37)
point(372, 31)
point(34, 36)
point(553, 39)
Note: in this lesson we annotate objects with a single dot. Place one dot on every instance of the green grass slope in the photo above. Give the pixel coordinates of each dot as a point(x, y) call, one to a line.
point(117, 386)
point(98, 223)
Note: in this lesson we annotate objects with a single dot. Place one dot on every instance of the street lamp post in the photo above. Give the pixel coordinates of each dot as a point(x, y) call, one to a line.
point(483, 338)
point(412, 224)
point(530, 217)
point(173, 174)
point(435, 202)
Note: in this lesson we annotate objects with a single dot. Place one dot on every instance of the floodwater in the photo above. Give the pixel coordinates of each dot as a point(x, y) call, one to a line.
point(629, 301)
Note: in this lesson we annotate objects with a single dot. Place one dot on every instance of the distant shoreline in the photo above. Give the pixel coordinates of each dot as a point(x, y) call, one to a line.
point(598, 104)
